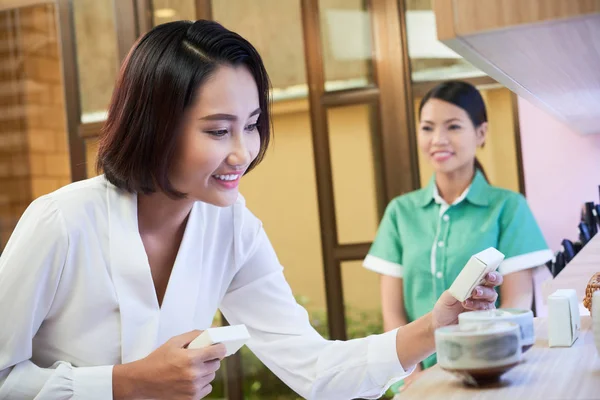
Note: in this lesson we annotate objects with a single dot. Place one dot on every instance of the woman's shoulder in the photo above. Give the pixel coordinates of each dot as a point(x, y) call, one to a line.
point(410, 200)
point(79, 196)
point(499, 195)
point(63, 209)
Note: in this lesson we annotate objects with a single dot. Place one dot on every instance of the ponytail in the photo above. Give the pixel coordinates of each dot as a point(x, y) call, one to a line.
point(480, 168)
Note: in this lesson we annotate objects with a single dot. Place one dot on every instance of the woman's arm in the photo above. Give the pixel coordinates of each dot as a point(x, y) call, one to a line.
point(284, 340)
point(517, 290)
point(392, 302)
point(30, 271)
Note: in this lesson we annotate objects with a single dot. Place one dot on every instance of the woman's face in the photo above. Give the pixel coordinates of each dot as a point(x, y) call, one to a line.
point(447, 136)
point(219, 137)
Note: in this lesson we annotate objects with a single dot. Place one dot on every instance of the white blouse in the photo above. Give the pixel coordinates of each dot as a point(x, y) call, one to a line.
point(77, 297)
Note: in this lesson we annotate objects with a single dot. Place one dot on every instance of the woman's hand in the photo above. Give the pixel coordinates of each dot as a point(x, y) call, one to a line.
point(170, 372)
point(446, 310)
point(409, 380)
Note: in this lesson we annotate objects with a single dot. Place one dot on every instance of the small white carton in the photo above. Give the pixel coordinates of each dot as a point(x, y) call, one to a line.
point(233, 337)
point(564, 320)
point(474, 272)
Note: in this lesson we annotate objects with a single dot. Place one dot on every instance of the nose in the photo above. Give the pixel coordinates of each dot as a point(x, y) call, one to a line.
point(240, 152)
point(439, 136)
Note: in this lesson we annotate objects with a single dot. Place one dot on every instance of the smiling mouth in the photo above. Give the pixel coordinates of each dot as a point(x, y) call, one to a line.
point(227, 181)
point(228, 177)
point(441, 155)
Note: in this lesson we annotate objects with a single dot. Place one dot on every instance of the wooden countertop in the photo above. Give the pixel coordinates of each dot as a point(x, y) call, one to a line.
point(546, 373)
point(578, 272)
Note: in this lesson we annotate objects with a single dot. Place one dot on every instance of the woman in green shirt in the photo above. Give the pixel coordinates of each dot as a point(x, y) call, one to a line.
point(426, 236)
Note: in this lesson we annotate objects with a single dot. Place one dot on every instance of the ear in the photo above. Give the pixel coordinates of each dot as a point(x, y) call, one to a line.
point(481, 133)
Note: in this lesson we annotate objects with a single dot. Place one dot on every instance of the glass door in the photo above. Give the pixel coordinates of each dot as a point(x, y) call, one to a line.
point(34, 152)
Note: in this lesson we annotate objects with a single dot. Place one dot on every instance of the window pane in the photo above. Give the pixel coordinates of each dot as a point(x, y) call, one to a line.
point(34, 157)
point(430, 59)
point(173, 10)
point(352, 157)
point(362, 300)
point(283, 195)
point(282, 190)
point(347, 40)
point(274, 27)
point(97, 56)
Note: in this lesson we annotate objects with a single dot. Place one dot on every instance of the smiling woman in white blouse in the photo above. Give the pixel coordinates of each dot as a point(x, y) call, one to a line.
point(105, 282)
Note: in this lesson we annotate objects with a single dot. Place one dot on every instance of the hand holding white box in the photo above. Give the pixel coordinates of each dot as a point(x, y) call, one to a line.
point(233, 337)
point(474, 272)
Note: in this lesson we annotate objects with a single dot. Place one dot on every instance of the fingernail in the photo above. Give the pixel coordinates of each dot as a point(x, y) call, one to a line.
point(479, 292)
point(469, 303)
point(492, 277)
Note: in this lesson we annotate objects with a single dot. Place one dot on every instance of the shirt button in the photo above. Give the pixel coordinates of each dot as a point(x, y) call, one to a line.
point(440, 244)
point(439, 275)
point(446, 217)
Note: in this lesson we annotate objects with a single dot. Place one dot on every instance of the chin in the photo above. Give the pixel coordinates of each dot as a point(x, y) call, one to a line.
point(445, 168)
point(219, 200)
point(224, 203)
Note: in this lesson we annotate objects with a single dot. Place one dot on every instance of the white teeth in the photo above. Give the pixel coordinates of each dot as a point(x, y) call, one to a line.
point(231, 177)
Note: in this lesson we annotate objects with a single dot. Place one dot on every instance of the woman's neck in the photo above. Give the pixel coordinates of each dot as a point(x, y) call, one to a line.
point(451, 185)
point(158, 212)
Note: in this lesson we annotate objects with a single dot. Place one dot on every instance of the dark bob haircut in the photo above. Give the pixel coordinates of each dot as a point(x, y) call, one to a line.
point(158, 81)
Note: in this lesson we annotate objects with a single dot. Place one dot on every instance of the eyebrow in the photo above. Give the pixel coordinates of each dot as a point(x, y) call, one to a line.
point(227, 117)
point(446, 121)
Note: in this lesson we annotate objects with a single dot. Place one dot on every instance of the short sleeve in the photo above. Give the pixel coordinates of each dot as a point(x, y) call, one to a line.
point(385, 255)
point(521, 239)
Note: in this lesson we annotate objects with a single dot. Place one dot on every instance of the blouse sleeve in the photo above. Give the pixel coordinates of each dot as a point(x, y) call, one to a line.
point(283, 339)
point(30, 271)
point(385, 255)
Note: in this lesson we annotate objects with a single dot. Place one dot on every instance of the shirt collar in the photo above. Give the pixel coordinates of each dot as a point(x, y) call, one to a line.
point(477, 193)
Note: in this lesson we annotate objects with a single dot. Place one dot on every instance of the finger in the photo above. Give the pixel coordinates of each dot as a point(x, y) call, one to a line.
point(205, 391)
point(214, 352)
point(448, 300)
point(208, 378)
point(493, 279)
point(211, 366)
point(472, 304)
point(184, 339)
point(484, 293)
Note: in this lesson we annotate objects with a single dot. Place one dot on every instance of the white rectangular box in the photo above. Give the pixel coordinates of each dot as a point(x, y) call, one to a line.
point(474, 272)
point(233, 337)
point(564, 320)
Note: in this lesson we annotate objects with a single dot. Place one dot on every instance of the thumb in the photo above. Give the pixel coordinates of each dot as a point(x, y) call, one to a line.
point(183, 340)
point(448, 300)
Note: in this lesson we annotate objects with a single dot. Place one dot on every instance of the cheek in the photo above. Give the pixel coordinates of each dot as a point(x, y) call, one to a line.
point(466, 142)
point(201, 154)
point(423, 142)
point(254, 145)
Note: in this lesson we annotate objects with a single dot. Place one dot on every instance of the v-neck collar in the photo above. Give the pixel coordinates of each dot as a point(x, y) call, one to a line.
point(145, 325)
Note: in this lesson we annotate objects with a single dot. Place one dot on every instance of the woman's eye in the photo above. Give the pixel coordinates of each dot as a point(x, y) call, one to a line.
point(426, 128)
point(454, 127)
point(252, 127)
point(218, 133)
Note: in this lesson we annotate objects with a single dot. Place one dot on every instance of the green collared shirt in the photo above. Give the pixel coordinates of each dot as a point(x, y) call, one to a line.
point(426, 241)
